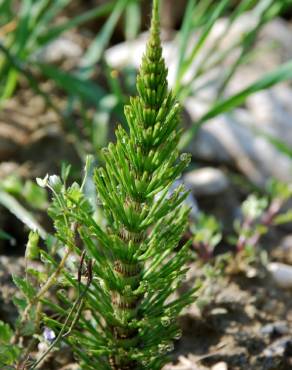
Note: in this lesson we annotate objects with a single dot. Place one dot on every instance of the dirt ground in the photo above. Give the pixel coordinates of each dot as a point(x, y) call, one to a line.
point(238, 322)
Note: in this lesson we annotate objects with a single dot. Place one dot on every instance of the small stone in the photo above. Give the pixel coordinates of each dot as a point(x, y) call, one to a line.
point(278, 348)
point(250, 311)
point(42, 347)
point(281, 274)
point(206, 181)
point(220, 366)
point(275, 328)
point(219, 311)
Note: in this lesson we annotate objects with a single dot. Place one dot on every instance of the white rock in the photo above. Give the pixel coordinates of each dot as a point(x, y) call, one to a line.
point(281, 273)
point(220, 366)
point(232, 139)
point(206, 181)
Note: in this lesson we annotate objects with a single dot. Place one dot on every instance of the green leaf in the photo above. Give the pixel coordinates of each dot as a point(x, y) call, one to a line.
point(8, 355)
point(54, 32)
point(21, 213)
point(6, 333)
point(204, 34)
point(283, 218)
point(283, 73)
point(35, 195)
point(32, 248)
point(132, 19)
point(20, 303)
point(73, 85)
point(26, 288)
point(184, 36)
point(277, 143)
point(12, 184)
point(98, 45)
point(253, 207)
point(5, 236)
point(28, 329)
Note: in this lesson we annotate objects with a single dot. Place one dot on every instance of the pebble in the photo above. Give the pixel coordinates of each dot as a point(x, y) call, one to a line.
point(280, 347)
point(275, 328)
point(281, 274)
point(206, 181)
point(220, 366)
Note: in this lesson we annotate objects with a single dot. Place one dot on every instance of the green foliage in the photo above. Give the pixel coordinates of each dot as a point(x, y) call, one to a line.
point(27, 191)
point(8, 352)
point(260, 213)
point(206, 234)
point(32, 29)
point(12, 188)
point(32, 248)
point(130, 260)
point(253, 207)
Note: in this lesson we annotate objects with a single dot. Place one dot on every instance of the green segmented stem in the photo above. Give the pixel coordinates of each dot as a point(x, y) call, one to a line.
point(136, 267)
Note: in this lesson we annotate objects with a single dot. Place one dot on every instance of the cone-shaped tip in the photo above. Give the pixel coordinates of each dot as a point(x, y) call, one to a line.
point(155, 16)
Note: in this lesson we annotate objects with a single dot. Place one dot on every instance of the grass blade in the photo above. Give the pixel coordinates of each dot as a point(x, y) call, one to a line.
point(95, 51)
point(277, 143)
point(184, 35)
point(73, 84)
point(246, 46)
point(132, 20)
point(201, 41)
point(21, 213)
point(283, 73)
point(56, 31)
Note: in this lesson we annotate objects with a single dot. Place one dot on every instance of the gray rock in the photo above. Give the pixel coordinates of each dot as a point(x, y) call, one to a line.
point(232, 139)
point(279, 347)
point(206, 181)
point(275, 328)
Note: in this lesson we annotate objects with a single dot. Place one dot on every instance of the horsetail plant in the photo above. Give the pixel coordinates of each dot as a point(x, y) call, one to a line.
point(125, 313)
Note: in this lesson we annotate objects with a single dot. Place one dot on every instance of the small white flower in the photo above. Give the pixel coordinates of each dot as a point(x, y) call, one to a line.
point(55, 182)
point(42, 182)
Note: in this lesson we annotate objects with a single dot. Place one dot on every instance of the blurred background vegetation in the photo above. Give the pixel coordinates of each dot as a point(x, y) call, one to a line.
point(67, 69)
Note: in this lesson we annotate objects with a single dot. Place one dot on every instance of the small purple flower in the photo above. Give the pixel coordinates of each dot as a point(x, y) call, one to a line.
point(49, 334)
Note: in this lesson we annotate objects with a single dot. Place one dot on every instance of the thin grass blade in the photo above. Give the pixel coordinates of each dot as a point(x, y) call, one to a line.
point(283, 73)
